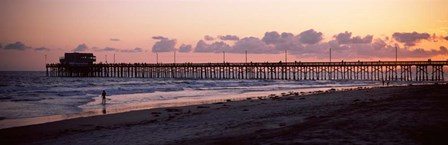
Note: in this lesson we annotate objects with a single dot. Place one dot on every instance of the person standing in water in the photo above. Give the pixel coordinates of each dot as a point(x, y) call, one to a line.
point(103, 96)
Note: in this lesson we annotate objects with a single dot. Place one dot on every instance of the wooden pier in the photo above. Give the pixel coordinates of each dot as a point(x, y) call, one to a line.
point(360, 70)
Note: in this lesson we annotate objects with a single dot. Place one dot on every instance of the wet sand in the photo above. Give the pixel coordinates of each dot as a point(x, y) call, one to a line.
point(393, 115)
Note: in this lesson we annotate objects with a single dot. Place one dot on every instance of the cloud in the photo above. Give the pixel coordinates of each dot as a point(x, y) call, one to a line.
point(380, 48)
point(201, 46)
point(252, 45)
point(208, 38)
point(378, 44)
point(310, 44)
point(164, 45)
point(422, 53)
point(289, 42)
point(111, 49)
point(81, 47)
point(310, 37)
point(410, 39)
point(281, 41)
point(135, 50)
point(271, 37)
point(185, 48)
point(159, 37)
point(16, 46)
point(114, 39)
point(107, 49)
point(41, 49)
point(446, 38)
point(215, 47)
point(229, 38)
point(443, 49)
point(434, 37)
point(346, 38)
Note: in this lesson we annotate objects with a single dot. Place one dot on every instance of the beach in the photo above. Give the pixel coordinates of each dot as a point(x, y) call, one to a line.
point(379, 115)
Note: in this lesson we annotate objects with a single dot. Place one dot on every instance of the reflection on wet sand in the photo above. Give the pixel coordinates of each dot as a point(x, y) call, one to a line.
point(104, 109)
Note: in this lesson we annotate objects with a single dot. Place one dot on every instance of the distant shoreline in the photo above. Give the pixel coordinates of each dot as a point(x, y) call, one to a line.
point(246, 121)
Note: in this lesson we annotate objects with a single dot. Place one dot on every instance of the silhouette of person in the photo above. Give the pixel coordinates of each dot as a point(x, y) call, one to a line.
point(103, 96)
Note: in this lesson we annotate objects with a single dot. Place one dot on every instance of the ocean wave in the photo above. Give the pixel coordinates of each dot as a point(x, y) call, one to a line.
point(61, 95)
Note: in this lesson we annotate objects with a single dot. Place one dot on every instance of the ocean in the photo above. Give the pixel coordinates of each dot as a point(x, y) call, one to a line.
point(28, 95)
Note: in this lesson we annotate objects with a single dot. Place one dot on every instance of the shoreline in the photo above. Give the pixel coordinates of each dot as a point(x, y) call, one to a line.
point(313, 106)
point(105, 110)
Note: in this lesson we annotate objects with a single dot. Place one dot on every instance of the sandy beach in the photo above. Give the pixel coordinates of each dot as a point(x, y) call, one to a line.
point(390, 115)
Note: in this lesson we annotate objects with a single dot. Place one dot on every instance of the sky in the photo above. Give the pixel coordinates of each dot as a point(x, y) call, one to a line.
point(36, 32)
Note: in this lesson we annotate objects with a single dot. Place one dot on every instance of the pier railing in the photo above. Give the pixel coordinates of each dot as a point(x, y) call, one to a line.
point(357, 70)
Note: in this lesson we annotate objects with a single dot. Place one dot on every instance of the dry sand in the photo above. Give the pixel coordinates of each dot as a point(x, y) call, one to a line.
point(393, 115)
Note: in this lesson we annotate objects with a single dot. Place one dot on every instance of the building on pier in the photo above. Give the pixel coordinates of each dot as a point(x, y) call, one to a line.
point(77, 59)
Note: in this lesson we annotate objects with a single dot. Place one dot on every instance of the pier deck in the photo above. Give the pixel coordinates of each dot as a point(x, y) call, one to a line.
point(359, 70)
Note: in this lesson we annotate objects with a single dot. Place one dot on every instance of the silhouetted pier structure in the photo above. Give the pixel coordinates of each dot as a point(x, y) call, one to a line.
point(360, 70)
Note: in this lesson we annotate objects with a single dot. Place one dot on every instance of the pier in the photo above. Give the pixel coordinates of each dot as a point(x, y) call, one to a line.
point(359, 70)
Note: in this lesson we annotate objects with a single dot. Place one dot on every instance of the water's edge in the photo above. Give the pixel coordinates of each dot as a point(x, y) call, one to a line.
point(9, 123)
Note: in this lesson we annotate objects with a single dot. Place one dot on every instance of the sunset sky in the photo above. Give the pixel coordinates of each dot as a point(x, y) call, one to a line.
point(200, 30)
